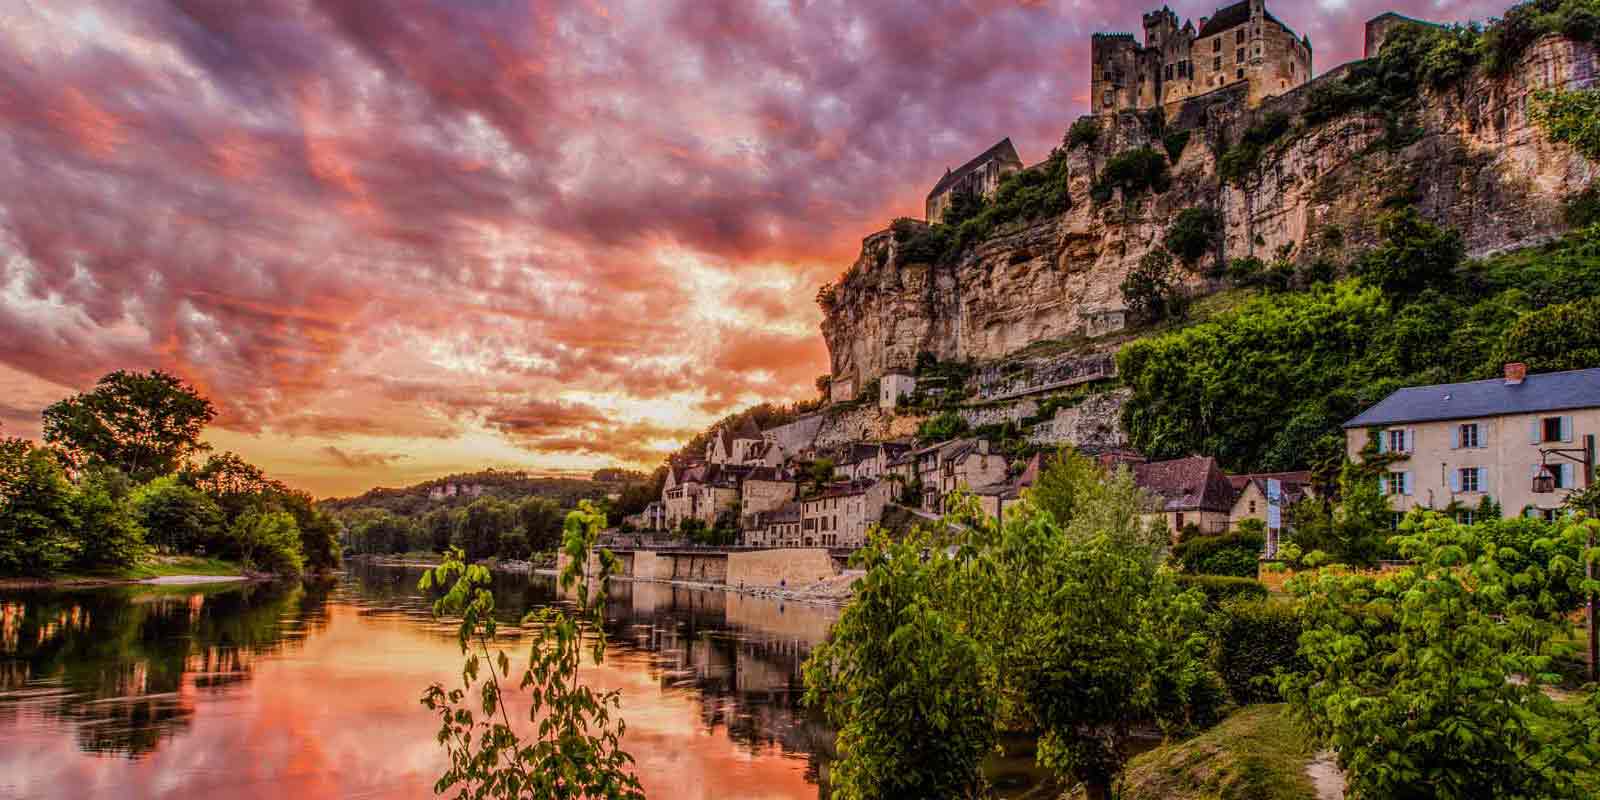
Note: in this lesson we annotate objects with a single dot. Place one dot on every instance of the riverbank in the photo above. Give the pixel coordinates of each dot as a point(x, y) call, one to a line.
point(833, 592)
point(158, 571)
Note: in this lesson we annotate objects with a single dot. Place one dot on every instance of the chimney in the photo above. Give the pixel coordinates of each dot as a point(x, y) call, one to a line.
point(1516, 372)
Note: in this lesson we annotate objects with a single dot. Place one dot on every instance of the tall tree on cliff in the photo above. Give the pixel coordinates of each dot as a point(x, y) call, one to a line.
point(144, 424)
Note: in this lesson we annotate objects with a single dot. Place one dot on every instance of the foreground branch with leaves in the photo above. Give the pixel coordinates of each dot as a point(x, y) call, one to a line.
point(575, 749)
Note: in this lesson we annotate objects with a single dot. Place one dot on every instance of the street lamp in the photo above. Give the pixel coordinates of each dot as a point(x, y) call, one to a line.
point(1544, 482)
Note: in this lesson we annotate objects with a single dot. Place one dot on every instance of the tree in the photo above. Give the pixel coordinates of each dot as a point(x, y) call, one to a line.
point(901, 679)
point(1414, 254)
point(1556, 338)
point(376, 532)
point(1429, 683)
point(108, 534)
point(1571, 116)
point(943, 428)
point(1195, 232)
point(1151, 291)
point(438, 526)
point(176, 518)
point(541, 521)
point(320, 532)
point(1357, 531)
point(576, 752)
point(145, 424)
point(482, 525)
point(268, 541)
point(38, 517)
point(235, 484)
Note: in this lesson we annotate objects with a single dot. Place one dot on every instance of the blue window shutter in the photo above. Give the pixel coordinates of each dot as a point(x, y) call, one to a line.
point(1566, 429)
point(1383, 484)
point(1483, 479)
point(1455, 480)
point(1405, 483)
point(1567, 480)
point(1534, 432)
point(1455, 441)
point(1411, 440)
point(1383, 441)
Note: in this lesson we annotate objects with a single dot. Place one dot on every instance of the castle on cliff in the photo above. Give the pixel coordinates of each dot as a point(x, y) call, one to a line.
point(1238, 44)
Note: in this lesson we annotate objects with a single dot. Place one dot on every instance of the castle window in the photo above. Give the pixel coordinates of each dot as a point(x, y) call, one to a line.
point(1238, 56)
point(1240, 73)
point(1216, 45)
point(1216, 65)
point(1238, 36)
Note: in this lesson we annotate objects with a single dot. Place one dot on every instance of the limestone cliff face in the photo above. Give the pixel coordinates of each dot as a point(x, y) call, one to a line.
point(1480, 166)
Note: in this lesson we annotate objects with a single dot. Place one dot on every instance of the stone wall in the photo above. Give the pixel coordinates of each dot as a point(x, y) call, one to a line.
point(708, 568)
point(647, 566)
point(1480, 167)
point(864, 423)
point(1094, 423)
point(793, 568)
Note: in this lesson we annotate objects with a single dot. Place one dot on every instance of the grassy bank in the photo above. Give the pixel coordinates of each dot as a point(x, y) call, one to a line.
point(154, 567)
point(1258, 753)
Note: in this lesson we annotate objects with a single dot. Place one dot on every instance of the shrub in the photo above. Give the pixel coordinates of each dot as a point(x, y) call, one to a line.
point(176, 517)
point(1134, 172)
point(1583, 209)
point(1194, 233)
point(1557, 338)
point(1572, 117)
point(1083, 133)
point(1220, 589)
point(1150, 291)
point(37, 512)
point(1235, 554)
point(107, 530)
point(944, 427)
point(268, 541)
point(1256, 639)
point(1414, 255)
point(1240, 160)
point(1506, 41)
point(1175, 143)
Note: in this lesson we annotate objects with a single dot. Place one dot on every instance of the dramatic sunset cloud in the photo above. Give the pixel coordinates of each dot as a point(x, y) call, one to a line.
point(397, 238)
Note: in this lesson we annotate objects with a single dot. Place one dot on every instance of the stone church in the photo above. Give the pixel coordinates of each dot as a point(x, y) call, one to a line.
point(1241, 43)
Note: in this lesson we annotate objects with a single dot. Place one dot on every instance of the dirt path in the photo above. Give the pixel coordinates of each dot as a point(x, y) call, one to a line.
point(1326, 776)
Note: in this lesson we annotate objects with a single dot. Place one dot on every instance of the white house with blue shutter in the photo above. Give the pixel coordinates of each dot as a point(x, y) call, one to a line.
point(1458, 443)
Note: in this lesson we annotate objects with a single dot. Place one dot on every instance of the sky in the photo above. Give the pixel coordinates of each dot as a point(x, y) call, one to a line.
point(396, 239)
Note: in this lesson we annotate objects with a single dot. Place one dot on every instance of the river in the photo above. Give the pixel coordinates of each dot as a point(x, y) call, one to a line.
point(311, 691)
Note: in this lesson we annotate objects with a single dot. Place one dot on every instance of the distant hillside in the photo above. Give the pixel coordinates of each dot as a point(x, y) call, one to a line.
point(460, 490)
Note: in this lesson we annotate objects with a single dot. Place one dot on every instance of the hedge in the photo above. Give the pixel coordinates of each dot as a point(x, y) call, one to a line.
point(1232, 554)
point(1255, 638)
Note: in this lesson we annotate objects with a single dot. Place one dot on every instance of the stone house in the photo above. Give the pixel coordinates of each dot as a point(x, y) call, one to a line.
point(766, 489)
point(893, 387)
point(979, 177)
point(742, 445)
point(842, 513)
point(700, 491)
point(778, 527)
point(869, 461)
point(1453, 445)
point(652, 518)
point(1250, 494)
point(1240, 45)
point(1187, 491)
point(961, 464)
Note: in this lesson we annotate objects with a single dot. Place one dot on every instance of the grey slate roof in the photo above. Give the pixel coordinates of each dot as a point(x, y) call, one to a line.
point(1551, 391)
point(1002, 150)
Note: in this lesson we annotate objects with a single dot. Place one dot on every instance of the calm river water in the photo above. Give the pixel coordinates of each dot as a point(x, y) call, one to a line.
point(311, 691)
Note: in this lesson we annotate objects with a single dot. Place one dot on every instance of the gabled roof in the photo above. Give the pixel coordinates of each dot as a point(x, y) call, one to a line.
point(1261, 478)
point(1226, 19)
point(747, 430)
point(1186, 484)
point(1551, 391)
point(1002, 150)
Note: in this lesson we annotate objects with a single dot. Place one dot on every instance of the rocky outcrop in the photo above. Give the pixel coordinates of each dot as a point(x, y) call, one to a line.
point(1479, 165)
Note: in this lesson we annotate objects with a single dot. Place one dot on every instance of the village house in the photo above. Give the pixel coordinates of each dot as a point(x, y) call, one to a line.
point(979, 177)
point(869, 461)
point(962, 464)
point(842, 513)
point(743, 445)
point(1451, 446)
point(700, 491)
point(1242, 44)
point(652, 518)
point(778, 527)
point(1250, 495)
point(1187, 491)
point(893, 387)
point(766, 489)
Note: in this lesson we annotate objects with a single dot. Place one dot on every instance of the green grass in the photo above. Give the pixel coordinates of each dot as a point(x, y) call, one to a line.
point(1257, 753)
point(156, 567)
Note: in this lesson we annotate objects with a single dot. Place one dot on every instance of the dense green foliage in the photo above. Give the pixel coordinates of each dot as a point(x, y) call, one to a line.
point(1219, 589)
point(1257, 639)
point(1193, 233)
point(1505, 41)
point(575, 748)
point(1022, 196)
point(1572, 117)
point(1266, 387)
point(1235, 553)
point(146, 425)
point(1429, 682)
point(1085, 132)
point(1556, 338)
point(958, 630)
point(898, 678)
point(1135, 172)
point(1175, 142)
point(133, 488)
point(942, 428)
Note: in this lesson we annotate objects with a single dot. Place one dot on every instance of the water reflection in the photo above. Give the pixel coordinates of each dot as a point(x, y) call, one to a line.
point(311, 691)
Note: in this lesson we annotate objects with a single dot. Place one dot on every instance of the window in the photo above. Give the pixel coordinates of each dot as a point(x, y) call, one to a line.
point(1467, 436)
point(1238, 56)
point(1240, 73)
point(1399, 441)
point(1216, 64)
point(1466, 517)
point(1467, 480)
point(1395, 519)
point(1550, 514)
point(1252, 506)
point(1553, 429)
point(1238, 36)
point(1180, 520)
point(1397, 483)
